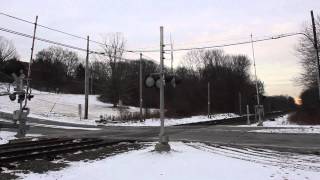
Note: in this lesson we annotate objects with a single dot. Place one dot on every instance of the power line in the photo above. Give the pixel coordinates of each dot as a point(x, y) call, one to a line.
point(59, 44)
point(150, 50)
point(130, 51)
point(226, 45)
point(49, 28)
point(69, 34)
point(62, 32)
point(41, 39)
point(238, 43)
point(180, 49)
point(73, 35)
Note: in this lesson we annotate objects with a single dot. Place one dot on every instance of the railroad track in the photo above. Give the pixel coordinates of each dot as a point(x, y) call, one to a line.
point(47, 148)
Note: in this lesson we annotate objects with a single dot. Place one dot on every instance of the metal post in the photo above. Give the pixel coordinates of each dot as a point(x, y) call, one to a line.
point(240, 104)
point(256, 82)
point(140, 84)
point(163, 144)
point(317, 51)
point(248, 115)
point(209, 114)
point(86, 83)
point(171, 54)
point(161, 86)
point(80, 111)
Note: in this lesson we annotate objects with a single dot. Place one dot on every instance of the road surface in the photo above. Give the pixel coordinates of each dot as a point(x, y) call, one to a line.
point(215, 134)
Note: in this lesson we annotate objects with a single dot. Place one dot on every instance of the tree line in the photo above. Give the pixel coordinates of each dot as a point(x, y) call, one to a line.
point(307, 55)
point(113, 79)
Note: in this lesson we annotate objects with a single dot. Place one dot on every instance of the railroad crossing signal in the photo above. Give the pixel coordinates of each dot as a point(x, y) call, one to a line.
point(153, 80)
point(21, 114)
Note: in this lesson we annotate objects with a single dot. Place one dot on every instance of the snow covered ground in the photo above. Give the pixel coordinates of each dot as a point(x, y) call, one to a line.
point(64, 108)
point(61, 107)
point(190, 161)
point(6, 136)
point(283, 125)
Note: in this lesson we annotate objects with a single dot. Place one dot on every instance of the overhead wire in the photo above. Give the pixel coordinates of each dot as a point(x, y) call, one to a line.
point(56, 30)
point(69, 34)
point(227, 44)
point(60, 44)
point(131, 51)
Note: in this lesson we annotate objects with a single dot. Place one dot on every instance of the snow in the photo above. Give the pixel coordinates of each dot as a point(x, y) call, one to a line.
point(64, 108)
point(172, 122)
point(190, 161)
point(281, 124)
point(6, 136)
point(281, 121)
point(300, 130)
point(61, 107)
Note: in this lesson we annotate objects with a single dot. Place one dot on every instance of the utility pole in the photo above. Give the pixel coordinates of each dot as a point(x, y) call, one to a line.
point(171, 54)
point(31, 58)
point(248, 115)
point(209, 114)
point(163, 145)
point(161, 85)
point(86, 83)
point(23, 112)
point(240, 104)
point(256, 82)
point(140, 87)
point(317, 50)
point(91, 83)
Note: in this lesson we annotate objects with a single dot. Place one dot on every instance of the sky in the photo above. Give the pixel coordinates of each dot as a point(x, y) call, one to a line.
point(190, 24)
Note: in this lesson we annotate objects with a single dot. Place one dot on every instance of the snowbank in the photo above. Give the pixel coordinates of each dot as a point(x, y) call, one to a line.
point(298, 130)
point(6, 136)
point(283, 125)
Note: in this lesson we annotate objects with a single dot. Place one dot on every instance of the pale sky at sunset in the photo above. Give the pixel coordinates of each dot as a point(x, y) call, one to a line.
point(191, 23)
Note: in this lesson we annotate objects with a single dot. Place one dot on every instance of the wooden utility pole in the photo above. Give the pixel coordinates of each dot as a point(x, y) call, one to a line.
point(209, 114)
point(315, 41)
point(257, 87)
point(31, 58)
point(171, 54)
point(140, 87)
point(240, 103)
point(86, 83)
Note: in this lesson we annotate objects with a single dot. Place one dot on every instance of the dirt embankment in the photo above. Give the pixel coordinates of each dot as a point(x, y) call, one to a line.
point(306, 116)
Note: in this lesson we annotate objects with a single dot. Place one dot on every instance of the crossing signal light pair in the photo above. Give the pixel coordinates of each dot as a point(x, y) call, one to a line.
point(153, 80)
point(21, 97)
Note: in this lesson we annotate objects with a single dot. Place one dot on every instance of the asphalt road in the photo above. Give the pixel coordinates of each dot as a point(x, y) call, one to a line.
point(214, 134)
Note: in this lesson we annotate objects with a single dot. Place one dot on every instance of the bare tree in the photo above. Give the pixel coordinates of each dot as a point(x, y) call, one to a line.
point(114, 50)
point(7, 50)
point(57, 54)
point(306, 53)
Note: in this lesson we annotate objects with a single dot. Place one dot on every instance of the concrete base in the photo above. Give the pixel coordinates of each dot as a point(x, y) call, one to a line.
point(163, 145)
